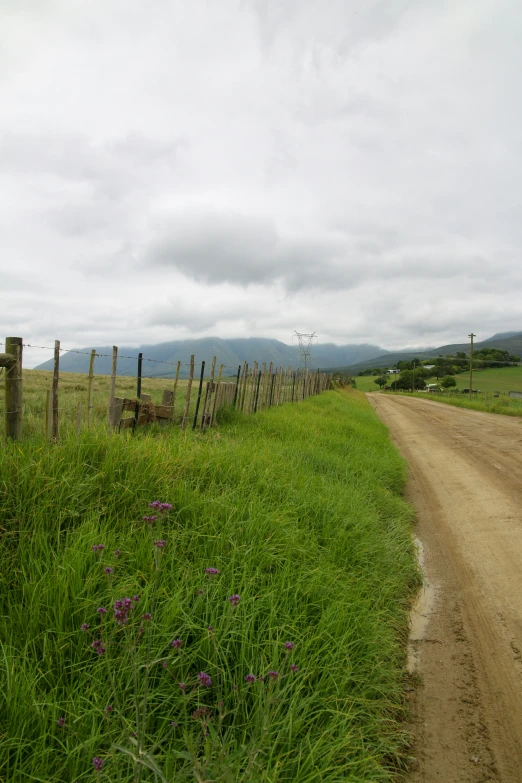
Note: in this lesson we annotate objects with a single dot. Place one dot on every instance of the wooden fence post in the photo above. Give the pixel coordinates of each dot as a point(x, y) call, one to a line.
point(199, 395)
point(56, 376)
point(138, 393)
point(12, 361)
point(111, 424)
point(89, 388)
point(189, 391)
point(237, 385)
point(216, 393)
point(208, 396)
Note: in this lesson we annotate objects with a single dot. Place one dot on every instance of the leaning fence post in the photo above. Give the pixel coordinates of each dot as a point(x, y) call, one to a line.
point(12, 361)
point(216, 392)
point(208, 395)
point(237, 385)
point(138, 393)
point(199, 395)
point(56, 375)
point(89, 387)
point(112, 391)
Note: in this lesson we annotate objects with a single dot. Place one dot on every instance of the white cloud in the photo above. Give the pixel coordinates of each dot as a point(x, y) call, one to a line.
point(246, 167)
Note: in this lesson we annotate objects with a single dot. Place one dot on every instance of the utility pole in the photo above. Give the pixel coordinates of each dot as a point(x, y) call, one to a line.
point(471, 336)
point(305, 346)
point(413, 377)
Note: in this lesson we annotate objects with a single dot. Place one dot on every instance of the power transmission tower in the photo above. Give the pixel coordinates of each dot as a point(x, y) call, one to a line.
point(305, 346)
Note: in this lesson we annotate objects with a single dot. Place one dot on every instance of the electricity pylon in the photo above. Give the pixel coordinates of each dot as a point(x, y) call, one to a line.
point(305, 346)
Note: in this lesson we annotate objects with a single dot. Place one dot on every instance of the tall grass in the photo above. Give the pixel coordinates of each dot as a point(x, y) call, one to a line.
point(504, 405)
point(300, 510)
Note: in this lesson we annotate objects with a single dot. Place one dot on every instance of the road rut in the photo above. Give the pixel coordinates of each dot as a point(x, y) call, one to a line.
point(466, 487)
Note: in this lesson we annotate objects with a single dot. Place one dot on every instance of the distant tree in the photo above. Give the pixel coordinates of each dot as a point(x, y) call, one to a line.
point(460, 355)
point(403, 365)
point(405, 381)
point(448, 382)
point(381, 381)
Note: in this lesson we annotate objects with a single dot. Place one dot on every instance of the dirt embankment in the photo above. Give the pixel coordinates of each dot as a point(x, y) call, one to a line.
point(466, 486)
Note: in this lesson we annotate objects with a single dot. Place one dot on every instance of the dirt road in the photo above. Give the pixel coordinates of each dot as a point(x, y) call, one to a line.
point(466, 486)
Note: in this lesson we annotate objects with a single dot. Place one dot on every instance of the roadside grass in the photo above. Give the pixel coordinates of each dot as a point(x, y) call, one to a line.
point(300, 509)
point(479, 402)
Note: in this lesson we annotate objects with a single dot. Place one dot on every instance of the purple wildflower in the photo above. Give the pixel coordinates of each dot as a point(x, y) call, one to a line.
point(289, 645)
point(212, 571)
point(176, 643)
point(135, 598)
point(122, 609)
point(250, 678)
point(160, 543)
point(182, 686)
point(205, 679)
point(165, 664)
point(146, 616)
point(158, 506)
point(97, 763)
point(210, 629)
point(109, 570)
point(201, 592)
point(150, 520)
point(234, 599)
point(272, 675)
point(85, 626)
point(202, 712)
point(116, 553)
point(98, 547)
point(109, 708)
point(101, 610)
point(97, 646)
point(173, 723)
point(294, 668)
point(61, 722)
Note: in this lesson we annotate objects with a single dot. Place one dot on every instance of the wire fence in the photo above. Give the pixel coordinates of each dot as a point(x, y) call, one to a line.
point(186, 395)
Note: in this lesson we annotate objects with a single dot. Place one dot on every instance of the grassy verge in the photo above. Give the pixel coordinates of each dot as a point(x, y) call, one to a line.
point(299, 509)
point(504, 405)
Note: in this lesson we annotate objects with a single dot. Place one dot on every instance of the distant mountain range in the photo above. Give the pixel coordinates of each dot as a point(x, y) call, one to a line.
point(351, 358)
point(231, 353)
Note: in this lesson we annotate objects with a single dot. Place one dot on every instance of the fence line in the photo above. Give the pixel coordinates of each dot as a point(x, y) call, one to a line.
point(252, 389)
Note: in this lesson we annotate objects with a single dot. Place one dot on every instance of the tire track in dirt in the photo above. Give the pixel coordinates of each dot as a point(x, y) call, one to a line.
point(466, 486)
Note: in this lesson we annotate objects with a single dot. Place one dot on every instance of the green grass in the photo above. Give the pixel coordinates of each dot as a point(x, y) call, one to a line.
point(501, 379)
point(300, 509)
point(479, 402)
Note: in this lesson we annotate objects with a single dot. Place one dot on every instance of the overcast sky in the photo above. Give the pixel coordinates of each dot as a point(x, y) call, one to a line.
point(185, 168)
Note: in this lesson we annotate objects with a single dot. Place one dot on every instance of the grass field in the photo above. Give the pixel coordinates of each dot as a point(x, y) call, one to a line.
point(502, 379)
point(300, 510)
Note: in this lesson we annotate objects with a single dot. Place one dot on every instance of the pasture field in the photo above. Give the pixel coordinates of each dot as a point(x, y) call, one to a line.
point(283, 663)
point(501, 379)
